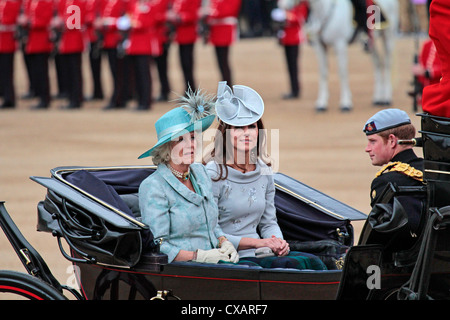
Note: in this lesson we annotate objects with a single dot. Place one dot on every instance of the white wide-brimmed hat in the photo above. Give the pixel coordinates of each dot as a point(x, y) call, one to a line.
point(238, 107)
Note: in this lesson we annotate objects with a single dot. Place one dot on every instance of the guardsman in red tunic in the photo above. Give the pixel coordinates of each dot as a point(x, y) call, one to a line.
point(112, 39)
point(428, 69)
point(185, 17)
point(22, 38)
point(94, 9)
point(71, 21)
point(162, 31)
point(141, 44)
point(222, 21)
point(290, 38)
point(37, 20)
point(436, 97)
point(9, 13)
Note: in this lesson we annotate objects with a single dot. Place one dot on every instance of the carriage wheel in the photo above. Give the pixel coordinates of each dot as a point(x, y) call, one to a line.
point(14, 285)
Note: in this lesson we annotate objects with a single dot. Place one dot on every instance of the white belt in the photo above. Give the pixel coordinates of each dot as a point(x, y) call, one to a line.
point(223, 21)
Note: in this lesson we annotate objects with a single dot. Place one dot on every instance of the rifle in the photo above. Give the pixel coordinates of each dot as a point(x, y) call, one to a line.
point(98, 44)
point(203, 29)
point(21, 33)
point(55, 35)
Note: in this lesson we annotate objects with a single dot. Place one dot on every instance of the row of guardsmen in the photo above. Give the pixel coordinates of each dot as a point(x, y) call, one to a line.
point(129, 32)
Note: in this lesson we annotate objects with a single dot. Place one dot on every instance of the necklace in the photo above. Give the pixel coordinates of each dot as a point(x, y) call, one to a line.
point(178, 174)
point(241, 168)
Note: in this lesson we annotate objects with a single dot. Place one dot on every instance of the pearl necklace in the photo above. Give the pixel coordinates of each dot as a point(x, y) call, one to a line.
point(178, 174)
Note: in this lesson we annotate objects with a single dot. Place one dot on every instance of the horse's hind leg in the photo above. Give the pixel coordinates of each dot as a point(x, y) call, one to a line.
point(382, 95)
point(322, 98)
point(388, 41)
point(341, 48)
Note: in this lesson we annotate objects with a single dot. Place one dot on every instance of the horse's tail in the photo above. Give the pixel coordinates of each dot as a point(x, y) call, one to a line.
point(353, 37)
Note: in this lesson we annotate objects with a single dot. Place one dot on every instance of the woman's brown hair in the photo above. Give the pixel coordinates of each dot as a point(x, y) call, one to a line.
point(224, 157)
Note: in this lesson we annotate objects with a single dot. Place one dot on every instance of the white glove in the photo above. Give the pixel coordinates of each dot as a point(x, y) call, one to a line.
point(227, 248)
point(211, 256)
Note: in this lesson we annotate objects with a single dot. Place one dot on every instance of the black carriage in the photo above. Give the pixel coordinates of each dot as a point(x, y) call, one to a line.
point(116, 257)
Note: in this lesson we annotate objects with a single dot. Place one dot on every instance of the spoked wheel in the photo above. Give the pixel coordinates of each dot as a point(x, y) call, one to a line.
point(14, 285)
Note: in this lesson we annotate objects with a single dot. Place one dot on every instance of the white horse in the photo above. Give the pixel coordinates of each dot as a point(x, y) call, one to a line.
point(331, 25)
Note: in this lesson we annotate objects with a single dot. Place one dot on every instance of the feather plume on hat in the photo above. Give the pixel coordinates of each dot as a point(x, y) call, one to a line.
point(197, 104)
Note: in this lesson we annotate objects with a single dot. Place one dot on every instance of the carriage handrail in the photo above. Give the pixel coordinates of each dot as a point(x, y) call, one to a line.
point(30, 258)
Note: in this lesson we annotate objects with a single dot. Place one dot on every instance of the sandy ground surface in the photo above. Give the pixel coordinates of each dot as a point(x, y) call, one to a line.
point(325, 151)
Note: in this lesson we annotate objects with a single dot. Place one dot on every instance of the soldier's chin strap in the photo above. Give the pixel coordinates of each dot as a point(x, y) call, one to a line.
point(415, 142)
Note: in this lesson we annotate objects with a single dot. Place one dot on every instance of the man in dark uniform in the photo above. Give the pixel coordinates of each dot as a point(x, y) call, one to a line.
point(401, 165)
point(402, 168)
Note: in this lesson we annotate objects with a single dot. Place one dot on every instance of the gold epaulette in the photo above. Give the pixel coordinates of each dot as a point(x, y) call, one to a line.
point(402, 168)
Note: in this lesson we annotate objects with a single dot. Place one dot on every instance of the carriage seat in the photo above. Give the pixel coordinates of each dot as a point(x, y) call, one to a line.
point(132, 201)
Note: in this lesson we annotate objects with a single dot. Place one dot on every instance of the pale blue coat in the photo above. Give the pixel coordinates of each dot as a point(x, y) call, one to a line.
point(246, 204)
point(183, 219)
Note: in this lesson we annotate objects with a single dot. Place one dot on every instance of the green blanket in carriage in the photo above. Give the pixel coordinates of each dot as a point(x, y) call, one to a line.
point(294, 260)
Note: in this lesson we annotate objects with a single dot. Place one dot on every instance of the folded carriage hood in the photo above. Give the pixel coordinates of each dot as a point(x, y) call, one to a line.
point(317, 199)
point(103, 211)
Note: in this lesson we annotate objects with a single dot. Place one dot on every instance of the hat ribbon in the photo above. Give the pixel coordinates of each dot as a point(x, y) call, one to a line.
point(172, 129)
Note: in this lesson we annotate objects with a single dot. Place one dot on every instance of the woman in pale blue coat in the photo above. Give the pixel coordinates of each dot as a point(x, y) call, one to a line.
point(176, 201)
point(243, 184)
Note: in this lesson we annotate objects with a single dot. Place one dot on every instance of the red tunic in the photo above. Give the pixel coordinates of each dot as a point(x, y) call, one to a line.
point(436, 97)
point(112, 11)
point(160, 8)
point(94, 9)
point(187, 17)
point(295, 17)
point(40, 14)
point(430, 61)
point(9, 11)
point(73, 14)
point(222, 20)
point(142, 37)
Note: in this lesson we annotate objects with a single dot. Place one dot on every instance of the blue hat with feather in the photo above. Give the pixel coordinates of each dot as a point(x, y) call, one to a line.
point(195, 112)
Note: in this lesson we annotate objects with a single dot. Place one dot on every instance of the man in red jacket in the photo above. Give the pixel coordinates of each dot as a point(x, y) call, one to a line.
point(94, 9)
point(436, 97)
point(37, 19)
point(221, 18)
point(71, 14)
point(141, 45)
point(112, 39)
point(427, 70)
point(290, 38)
point(162, 31)
point(185, 16)
point(9, 12)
